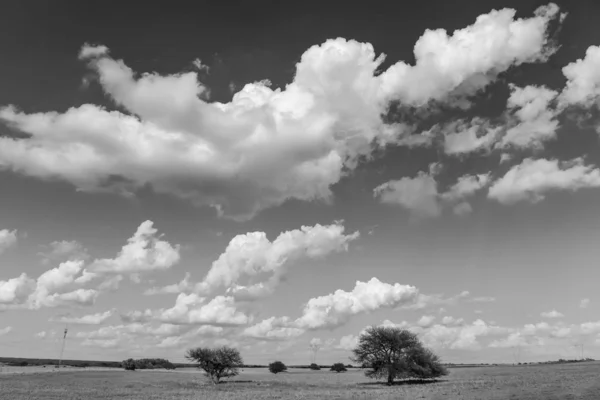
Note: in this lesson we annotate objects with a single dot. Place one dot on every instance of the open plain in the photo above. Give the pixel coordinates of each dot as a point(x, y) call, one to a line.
point(528, 382)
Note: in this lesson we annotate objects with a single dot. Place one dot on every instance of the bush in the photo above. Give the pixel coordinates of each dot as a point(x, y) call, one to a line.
point(128, 365)
point(338, 367)
point(222, 362)
point(277, 366)
point(314, 367)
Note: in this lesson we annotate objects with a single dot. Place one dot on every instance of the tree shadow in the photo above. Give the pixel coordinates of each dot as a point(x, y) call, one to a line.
point(235, 381)
point(404, 382)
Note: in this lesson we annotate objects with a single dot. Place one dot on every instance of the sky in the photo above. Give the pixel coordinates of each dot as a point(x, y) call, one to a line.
point(280, 177)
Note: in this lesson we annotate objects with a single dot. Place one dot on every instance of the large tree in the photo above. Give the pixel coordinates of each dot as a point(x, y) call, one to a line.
point(218, 363)
point(394, 353)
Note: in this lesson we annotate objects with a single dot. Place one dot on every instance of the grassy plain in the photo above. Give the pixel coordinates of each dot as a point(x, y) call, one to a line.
point(528, 382)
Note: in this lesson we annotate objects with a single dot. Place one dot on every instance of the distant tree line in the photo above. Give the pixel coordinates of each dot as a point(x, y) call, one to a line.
point(147, 363)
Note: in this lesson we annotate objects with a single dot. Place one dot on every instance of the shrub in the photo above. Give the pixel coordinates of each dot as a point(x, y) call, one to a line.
point(129, 364)
point(314, 367)
point(277, 366)
point(222, 362)
point(338, 367)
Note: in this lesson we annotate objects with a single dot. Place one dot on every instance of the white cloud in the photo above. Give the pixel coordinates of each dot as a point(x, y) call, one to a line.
point(192, 309)
point(65, 249)
point(337, 308)
point(552, 314)
point(457, 335)
point(471, 58)
point(482, 299)
point(90, 319)
point(252, 254)
point(7, 239)
point(16, 290)
point(451, 321)
point(462, 137)
point(583, 80)
point(465, 186)
point(584, 303)
point(178, 287)
point(418, 195)
point(530, 180)
point(426, 321)
point(5, 330)
point(143, 252)
point(534, 116)
point(90, 51)
point(348, 342)
point(267, 145)
point(273, 328)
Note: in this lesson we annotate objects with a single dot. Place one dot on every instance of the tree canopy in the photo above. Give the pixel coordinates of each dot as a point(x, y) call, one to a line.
point(222, 362)
point(338, 367)
point(394, 353)
point(277, 366)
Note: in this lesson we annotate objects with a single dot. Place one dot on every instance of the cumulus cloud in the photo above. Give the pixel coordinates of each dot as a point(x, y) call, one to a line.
point(337, 308)
point(420, 194)
point(583, 80)
point(274, 329)
point(535, 117)
point(252, 255)
point(463, 137)
point(5, 330)
point(178, 287)
point(64, 249)
point(267, 145)
point(7, 239)
point(90, 319)
point(426, 321)
point(458, 335)
point(192, 309)
point(143, 252)
point(348, 342)
point(584, 303)
point(16, 290)
point(530, 180)
point(469, 59)
point(552, 314)
point(90, 51)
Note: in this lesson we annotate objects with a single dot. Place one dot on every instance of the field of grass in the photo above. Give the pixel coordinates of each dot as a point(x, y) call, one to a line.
point(530, 382)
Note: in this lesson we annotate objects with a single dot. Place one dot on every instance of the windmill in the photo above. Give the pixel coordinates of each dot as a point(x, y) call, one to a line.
point(314, 348)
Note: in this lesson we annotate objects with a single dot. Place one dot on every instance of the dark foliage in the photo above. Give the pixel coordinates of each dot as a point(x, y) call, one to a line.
point(277, 366)
point(394, 353)
point(222, 362)
point(129, 364)
point(338, 367)
point(314, 367)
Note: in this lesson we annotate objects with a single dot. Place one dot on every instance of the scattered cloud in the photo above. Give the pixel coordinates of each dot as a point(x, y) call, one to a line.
point(143, 252)
point(584, 303)
point(5, 330)
point(552, 314)
point(253, 255)
point(7, 239)
point(532, 179)
point(90, 319)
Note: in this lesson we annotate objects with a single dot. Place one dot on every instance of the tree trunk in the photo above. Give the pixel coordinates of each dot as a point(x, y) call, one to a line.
point(390, 381)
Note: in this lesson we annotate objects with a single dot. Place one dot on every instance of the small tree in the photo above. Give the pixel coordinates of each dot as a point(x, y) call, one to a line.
point(314, 367)
point(277, 366)
point(394, 353)
point(338, 367)
point(128, 364)
point(222, 362)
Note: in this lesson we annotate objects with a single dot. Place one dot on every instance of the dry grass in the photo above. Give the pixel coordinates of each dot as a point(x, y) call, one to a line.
point(532, 382)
